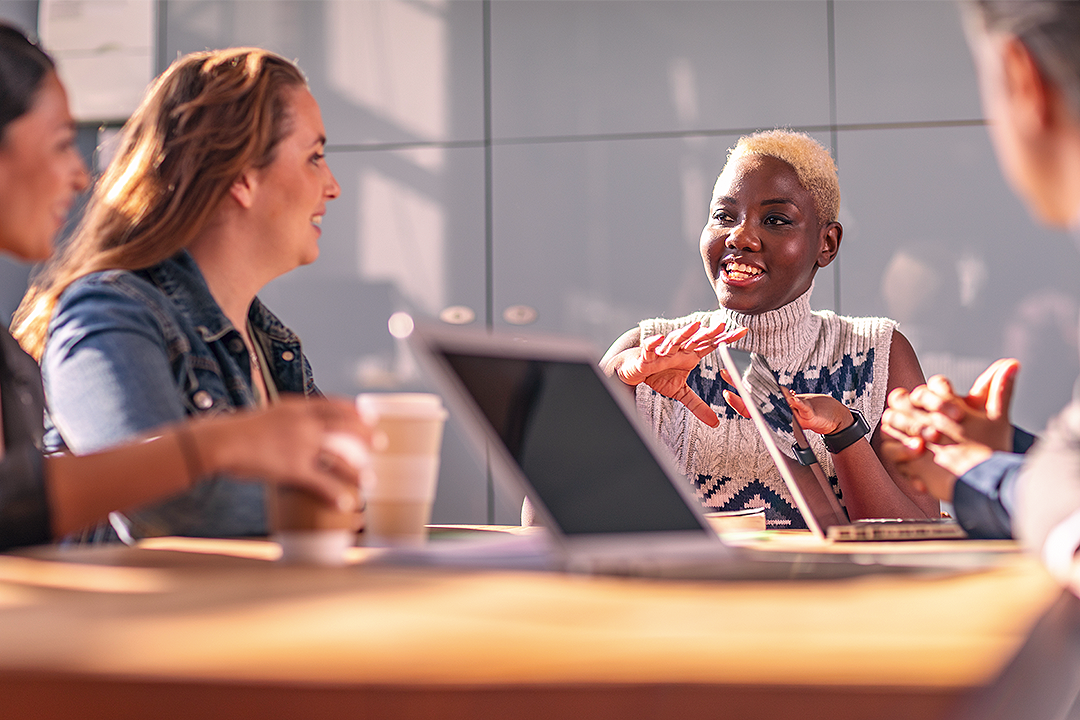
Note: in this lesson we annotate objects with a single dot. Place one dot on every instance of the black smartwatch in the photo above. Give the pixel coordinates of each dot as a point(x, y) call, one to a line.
point(839, 440)
point(805, 455)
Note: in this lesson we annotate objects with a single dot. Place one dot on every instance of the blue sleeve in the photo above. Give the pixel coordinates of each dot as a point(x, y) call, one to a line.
point(106, 367)
point(985, 496)
point(1022, 440)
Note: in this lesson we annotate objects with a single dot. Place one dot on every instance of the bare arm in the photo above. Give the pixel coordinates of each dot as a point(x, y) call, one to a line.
point(285, 443)
point(624, 348)
point(871, 483)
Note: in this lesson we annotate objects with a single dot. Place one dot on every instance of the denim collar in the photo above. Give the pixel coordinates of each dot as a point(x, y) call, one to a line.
point(182, 281)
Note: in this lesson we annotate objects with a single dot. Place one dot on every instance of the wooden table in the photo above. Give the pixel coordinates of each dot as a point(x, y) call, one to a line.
point(204, 629)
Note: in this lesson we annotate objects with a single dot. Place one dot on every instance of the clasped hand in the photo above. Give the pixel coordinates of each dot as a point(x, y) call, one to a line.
point(934, 435)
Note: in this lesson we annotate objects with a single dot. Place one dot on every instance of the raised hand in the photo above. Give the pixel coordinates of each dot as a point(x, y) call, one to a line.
point(983, 413)
point(937, 414)
point(663, 362)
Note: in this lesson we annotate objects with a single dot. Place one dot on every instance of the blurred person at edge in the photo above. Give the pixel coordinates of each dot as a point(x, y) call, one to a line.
point(45, 497)
point(963, 448)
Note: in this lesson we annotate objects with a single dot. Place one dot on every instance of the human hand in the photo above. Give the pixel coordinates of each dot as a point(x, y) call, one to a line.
point(921, 431)
point(663, 362)
point(936, 413)
point(297, 441)
point(920, 467)
point(963, 430)
point(983, 413)
point(818, 413)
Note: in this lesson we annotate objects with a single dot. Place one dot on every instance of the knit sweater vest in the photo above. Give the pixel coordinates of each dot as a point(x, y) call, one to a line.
point(811, 352)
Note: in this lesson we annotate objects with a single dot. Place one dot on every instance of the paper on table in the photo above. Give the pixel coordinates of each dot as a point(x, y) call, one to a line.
point(737, 520)
point(496, 550)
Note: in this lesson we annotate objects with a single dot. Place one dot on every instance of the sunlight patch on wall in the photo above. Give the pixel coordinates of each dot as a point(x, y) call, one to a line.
point(402, 239)
point(389, 57)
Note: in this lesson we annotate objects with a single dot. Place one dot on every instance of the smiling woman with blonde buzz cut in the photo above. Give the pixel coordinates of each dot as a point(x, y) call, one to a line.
point(772, 224)
point(149, 314)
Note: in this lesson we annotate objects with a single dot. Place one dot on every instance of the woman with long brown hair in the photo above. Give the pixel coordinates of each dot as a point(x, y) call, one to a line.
point(149, 314)
point(42, 497)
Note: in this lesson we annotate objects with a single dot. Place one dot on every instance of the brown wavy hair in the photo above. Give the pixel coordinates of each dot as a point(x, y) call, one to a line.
point(205, 120)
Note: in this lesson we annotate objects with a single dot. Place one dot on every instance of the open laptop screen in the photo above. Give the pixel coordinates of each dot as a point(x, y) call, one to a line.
point(583, 457)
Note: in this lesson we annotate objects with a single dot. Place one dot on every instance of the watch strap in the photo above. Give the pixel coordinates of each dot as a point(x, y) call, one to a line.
point(805, 455)
point(841, 439)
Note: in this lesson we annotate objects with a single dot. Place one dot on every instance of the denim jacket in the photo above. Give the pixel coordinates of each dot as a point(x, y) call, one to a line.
point(128, 352)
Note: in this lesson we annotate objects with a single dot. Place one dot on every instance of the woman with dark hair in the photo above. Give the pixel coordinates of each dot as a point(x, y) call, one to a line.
point(42, 497)
point(149, 314)
point(1027, 55)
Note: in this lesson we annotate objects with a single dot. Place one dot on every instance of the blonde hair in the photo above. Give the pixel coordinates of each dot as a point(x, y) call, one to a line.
point(210, 116)
point(812, 163)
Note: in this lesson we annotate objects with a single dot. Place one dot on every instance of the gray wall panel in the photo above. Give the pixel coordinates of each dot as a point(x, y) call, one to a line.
point(384, 71)
point(594, 67)
point(902, 61)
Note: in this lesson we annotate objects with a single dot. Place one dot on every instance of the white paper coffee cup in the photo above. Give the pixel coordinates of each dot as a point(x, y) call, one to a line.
point(400, 482)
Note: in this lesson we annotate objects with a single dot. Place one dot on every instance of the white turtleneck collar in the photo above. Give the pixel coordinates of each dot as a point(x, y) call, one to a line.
point(788, 330)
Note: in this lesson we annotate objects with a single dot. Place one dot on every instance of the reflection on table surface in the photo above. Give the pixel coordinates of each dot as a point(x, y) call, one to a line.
point(180, 615)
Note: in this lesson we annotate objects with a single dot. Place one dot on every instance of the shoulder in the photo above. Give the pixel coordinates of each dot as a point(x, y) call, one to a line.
point(858, 352)
point(904, 368)
point(842, 336)
point(891, 347)
point(883, 335)
point(111, 300)
point(112, 287)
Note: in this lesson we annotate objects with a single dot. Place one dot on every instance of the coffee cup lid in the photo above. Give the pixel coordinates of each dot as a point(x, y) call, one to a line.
point(401, 404)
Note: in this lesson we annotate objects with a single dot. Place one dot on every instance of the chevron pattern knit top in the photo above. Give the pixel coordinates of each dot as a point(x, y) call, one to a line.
point(811, 352)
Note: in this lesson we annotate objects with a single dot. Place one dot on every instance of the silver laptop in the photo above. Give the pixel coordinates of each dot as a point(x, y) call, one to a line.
point(758, 386)
point(557, 429)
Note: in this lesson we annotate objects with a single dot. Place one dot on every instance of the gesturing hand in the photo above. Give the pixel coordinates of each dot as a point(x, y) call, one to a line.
point(663, 362)
point(982, 416)
point(819, 413)
point(958, 432)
